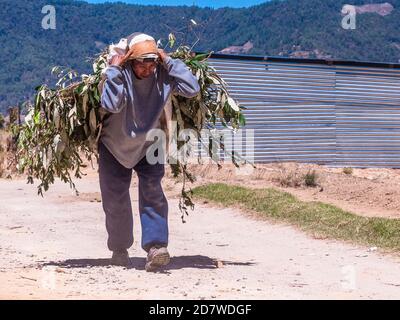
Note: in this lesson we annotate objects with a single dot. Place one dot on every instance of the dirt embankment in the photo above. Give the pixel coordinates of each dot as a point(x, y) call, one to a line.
point(368, 192)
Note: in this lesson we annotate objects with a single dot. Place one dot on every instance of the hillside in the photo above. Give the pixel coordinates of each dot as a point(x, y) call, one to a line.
point(301, 28)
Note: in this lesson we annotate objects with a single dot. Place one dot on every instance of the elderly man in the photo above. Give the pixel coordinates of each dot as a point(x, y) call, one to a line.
point(136, 89)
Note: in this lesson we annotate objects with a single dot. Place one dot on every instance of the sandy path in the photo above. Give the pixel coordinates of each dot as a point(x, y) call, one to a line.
point(56, 248)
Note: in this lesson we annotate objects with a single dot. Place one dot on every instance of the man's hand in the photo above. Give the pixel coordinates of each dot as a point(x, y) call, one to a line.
point(162, 55)
point(117, 60)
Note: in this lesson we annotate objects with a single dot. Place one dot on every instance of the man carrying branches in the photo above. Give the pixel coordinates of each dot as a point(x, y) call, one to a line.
point(136, 89)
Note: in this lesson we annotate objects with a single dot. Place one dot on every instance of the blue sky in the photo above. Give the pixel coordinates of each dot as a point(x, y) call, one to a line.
point(200, 3)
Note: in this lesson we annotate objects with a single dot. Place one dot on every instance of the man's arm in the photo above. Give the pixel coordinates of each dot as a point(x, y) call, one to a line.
point(114, 95)
point(184, 82)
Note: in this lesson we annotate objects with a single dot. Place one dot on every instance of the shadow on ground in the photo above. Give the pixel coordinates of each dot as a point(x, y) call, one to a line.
point(181, 262)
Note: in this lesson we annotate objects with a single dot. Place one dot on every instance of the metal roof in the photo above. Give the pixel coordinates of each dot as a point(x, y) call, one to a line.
point(339, 113)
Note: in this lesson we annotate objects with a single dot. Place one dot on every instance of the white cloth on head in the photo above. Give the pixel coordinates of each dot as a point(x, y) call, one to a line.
point(124, 44)
point(138, 37)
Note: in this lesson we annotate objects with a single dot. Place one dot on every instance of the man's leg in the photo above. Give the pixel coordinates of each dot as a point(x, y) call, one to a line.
point(153, 205)
point(115, 181)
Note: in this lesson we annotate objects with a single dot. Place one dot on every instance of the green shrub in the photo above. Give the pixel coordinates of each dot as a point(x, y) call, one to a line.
point(348, 170)
point(310, 179)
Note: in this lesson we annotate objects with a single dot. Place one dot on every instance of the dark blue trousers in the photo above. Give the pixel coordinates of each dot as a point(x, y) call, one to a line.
point(115, 181)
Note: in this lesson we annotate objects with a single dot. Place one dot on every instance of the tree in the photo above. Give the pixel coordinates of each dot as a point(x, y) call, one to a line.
point(2, 121)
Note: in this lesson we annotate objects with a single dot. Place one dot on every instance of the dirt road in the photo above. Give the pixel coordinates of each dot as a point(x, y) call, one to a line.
point(55, 248)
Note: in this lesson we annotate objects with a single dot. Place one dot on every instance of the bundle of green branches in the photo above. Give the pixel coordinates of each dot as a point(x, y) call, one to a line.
point(65, 122)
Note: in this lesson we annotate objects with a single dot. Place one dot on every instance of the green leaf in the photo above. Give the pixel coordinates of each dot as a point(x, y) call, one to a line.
point(201, 56)
point(233, 104)
point(242, 120)
point(37, 100)
point(58, 145)
point(171, 40)
point(36, 118)
point(85, 104)
point(92, 121)
point(56, 118)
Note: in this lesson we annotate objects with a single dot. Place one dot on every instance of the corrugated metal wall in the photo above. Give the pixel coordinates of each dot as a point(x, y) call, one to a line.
point(340, 115)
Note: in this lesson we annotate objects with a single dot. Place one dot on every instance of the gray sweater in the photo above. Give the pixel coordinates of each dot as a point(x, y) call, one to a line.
point(135, 105)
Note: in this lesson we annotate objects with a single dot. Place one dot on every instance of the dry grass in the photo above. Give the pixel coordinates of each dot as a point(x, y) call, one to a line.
point(288, 177)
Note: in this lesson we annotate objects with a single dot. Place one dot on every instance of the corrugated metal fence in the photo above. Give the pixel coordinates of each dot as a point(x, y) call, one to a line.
point(337, 113)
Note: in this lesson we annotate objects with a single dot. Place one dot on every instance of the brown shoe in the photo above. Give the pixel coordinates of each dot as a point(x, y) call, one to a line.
point(157, 257)
point(120, 258)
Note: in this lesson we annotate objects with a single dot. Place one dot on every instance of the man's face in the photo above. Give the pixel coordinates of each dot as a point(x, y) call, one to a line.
point(144, 69)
